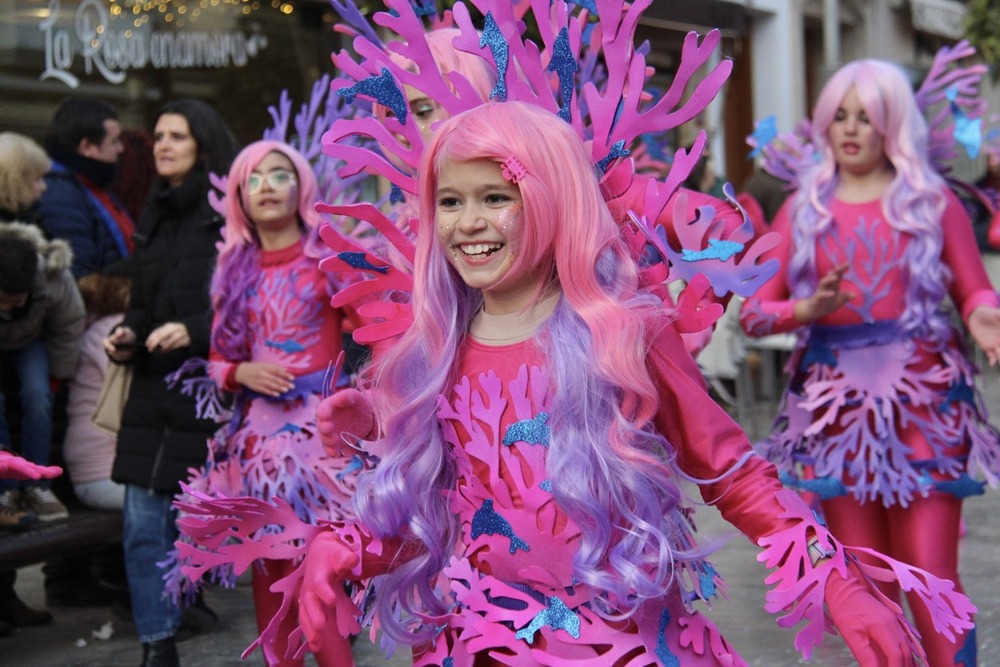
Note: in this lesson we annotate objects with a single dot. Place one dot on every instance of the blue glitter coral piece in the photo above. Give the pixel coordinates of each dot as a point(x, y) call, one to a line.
point(287, 346)
point(962, 487)
point(564, 65)
point(383, 89)
point(617, 150)
point(493, 38)
point(556, 616)
point(960, 392)
point(534, 431)
point(663, 652)
point(824, 487)
point(353, 466)
point(486, 521)
point(717, 249)
point(359, 260)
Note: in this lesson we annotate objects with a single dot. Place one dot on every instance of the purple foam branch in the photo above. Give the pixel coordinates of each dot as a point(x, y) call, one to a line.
point(280, 116)
point(215, 200)
point(356, 22)
point(228, 532)
point(941, 77)
point(791, 154)
point(308, 119)
point(950, 83)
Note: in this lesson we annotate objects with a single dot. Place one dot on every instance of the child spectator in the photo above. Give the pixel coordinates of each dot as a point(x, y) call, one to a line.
point(41, 320)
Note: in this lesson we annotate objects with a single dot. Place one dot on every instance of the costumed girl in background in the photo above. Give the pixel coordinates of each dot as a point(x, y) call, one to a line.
point(274, 339)
point(535, 421)
point(881, 414)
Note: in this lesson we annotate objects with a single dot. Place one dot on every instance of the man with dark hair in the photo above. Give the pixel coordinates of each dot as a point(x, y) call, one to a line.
point(84, 142)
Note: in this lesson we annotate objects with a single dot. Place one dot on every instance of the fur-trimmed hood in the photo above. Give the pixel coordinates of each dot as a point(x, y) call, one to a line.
point(54, 313)
point(57, 255)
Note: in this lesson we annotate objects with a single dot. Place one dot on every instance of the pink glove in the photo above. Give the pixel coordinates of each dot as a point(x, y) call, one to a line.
point(871, 628)
point(328, 563)
point(343, 419)
point(993, 236)
point(13, 466)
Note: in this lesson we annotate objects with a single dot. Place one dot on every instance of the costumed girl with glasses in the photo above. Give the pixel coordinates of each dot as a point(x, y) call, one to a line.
point(274, 338)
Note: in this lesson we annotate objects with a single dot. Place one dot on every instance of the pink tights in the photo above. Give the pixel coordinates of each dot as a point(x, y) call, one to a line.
point(924, 535)
point(336, 651)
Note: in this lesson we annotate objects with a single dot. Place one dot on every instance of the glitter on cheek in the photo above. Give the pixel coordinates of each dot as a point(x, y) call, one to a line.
point(508, 218)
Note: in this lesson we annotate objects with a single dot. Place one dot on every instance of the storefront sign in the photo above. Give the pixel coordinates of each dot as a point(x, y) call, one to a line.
point(112, 50)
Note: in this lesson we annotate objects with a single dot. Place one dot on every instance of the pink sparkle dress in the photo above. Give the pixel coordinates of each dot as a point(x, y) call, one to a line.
point(872, 410)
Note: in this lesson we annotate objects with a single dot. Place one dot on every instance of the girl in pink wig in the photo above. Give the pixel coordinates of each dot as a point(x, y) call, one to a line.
point(881, 418)
point(534, 423)
point(274, 338)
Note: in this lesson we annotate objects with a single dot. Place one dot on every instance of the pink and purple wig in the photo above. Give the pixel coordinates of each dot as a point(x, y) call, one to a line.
point(913, 203)
point(238, 264)
point(612, 474)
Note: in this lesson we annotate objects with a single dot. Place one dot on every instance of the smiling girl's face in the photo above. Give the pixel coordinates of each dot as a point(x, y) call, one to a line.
point(480, 227)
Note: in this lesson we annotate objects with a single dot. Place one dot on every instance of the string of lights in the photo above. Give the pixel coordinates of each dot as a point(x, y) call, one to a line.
point(180, 12)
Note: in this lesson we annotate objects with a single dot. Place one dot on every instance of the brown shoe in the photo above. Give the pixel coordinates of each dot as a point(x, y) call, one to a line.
point(43, 503)
point(12, 517)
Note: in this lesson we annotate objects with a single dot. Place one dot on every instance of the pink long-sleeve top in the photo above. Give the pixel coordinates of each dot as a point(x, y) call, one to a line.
point(877, 276)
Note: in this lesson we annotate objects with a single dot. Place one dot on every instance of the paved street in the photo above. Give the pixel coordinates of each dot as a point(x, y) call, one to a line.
point(68, 641)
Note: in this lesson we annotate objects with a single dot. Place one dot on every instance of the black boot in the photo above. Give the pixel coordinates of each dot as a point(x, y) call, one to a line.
point(13, 611)
point(161, 653)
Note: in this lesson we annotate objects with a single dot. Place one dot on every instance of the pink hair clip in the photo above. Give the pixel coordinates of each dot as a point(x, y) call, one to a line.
point(513, 170)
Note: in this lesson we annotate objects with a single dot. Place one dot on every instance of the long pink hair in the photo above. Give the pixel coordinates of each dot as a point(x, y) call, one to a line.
point(612, 474)
point(913, 203)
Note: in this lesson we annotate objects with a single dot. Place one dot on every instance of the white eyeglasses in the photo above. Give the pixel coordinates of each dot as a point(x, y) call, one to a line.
point(277, 180)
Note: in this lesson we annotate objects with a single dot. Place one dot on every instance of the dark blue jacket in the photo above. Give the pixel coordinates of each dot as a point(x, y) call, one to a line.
point(68, 211)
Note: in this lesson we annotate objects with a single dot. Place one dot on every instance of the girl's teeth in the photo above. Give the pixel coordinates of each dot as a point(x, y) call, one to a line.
point(480, 248)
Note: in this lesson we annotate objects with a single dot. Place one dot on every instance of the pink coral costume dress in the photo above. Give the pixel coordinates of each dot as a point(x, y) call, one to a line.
point(511, 578)
point(271, 449)
point(874, 410)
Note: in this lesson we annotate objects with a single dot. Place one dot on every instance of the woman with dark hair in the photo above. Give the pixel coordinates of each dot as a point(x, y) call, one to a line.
point(167, 324)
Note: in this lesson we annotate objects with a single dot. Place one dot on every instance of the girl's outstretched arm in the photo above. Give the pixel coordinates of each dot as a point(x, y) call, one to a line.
point(810, 567)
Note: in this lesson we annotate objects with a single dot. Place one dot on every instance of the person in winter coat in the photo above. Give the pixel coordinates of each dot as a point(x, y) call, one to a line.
point(84, 142)
point(41, 320)
point(167, 324)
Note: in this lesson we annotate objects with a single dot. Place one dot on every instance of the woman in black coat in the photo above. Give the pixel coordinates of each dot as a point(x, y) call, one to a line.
point(168, 323)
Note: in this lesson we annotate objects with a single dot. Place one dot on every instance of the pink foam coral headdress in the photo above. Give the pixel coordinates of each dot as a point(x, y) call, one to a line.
point(607, 108)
